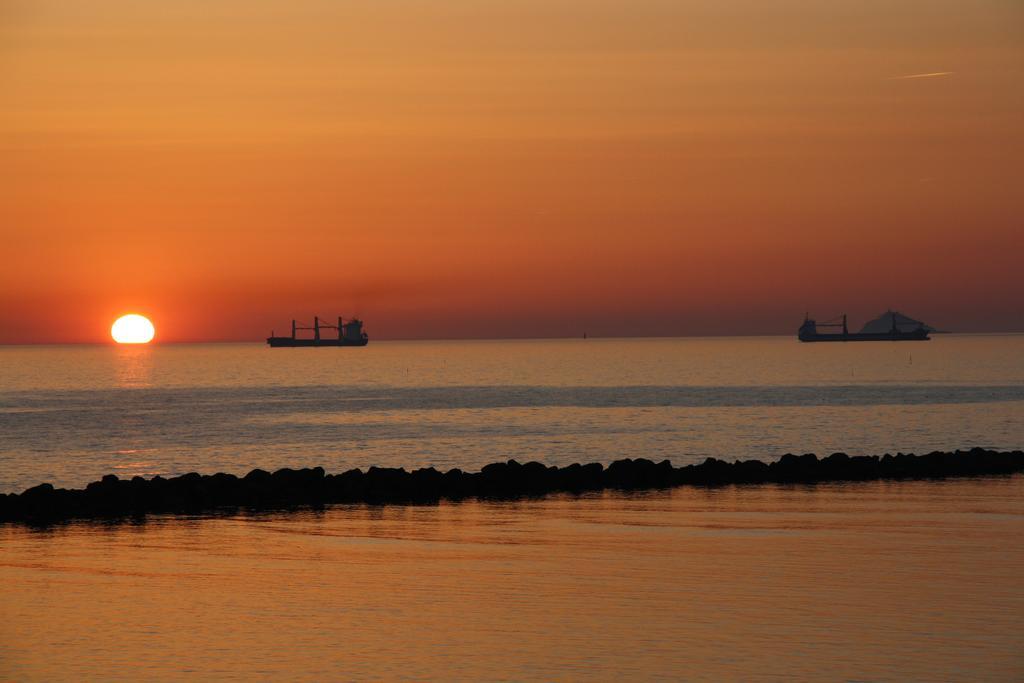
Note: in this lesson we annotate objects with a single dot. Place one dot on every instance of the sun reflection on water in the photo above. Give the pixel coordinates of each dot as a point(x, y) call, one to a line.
point(133, 366)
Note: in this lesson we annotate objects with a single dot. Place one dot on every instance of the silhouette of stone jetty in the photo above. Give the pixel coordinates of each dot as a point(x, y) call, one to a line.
point(260, 490)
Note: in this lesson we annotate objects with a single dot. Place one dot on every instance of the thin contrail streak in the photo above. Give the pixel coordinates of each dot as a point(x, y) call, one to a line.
point(929, 75)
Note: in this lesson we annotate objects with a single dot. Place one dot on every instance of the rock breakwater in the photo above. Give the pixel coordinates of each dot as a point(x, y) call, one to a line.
point(193, 493)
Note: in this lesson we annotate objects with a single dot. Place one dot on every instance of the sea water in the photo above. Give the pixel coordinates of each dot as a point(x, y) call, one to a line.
point(895, 581)
point(70, 414)
point(856, 581)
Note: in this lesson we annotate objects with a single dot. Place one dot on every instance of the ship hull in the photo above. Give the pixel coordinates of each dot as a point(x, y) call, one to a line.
point(917, 335)
point(288, 342)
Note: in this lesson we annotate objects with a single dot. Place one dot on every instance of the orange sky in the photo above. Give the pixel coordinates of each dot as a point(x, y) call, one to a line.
point(452, 168)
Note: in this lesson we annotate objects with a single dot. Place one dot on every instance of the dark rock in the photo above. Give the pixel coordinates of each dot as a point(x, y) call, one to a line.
point(387, 485)
point(426, 484)
point(750, 472)
point(456, 484)
point(37, 492)
point(577, 477)
point(258, 475)
point(346, 487)
point(795, 468)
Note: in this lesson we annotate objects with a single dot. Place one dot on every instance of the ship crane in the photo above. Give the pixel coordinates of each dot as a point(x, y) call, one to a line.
point(317, 326)
point(834, 322)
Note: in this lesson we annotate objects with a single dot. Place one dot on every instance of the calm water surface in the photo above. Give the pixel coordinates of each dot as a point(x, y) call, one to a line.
point(69, 415)
point(878, 581)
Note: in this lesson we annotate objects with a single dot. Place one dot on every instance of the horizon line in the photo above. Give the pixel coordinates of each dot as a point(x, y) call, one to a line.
point(477, 339)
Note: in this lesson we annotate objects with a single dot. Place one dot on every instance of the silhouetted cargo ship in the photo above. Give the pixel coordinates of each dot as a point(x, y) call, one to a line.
point(349, 334)
point(900, 328)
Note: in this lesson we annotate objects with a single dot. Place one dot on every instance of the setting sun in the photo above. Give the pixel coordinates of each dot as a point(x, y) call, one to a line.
point(132, 329)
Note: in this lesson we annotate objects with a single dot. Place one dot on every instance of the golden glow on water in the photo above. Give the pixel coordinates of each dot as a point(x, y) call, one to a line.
point(915, 580)
point(233, 407)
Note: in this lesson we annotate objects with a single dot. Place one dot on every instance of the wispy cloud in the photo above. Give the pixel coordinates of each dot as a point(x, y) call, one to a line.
point(934, 74)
